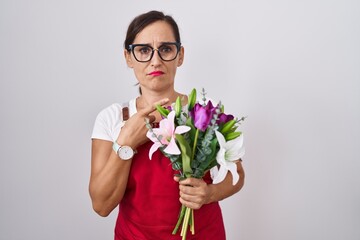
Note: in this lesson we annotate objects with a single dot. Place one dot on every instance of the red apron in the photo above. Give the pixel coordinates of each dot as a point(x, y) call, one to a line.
point(150, 207)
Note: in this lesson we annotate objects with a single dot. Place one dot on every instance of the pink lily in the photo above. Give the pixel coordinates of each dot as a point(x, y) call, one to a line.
point(166, 134)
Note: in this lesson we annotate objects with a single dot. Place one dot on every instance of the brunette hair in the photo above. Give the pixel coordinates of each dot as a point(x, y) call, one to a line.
point(145, 19)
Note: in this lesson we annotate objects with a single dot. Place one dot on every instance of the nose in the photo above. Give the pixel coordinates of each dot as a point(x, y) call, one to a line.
point(156, 60)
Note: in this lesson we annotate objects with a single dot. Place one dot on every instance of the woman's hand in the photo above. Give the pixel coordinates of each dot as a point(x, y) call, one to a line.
point(133, 133)
point(194, 192)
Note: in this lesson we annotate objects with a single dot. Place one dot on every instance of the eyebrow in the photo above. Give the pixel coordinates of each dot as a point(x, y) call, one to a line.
point(161, 43)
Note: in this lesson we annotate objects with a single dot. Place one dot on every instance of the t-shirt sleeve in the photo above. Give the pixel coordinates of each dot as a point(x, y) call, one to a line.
point(105, 123)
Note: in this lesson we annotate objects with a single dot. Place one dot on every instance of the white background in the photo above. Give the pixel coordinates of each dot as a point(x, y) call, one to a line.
point(292, 67)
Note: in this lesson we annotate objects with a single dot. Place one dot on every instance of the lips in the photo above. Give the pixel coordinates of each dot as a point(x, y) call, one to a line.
point(156, 73)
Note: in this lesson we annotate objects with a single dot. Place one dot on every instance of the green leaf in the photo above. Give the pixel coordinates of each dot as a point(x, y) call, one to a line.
point(163, 111)
point(214, 144)
point(185, 154)
point(192, 131)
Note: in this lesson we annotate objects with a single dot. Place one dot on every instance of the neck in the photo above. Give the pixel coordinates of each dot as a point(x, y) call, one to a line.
point(150, 97)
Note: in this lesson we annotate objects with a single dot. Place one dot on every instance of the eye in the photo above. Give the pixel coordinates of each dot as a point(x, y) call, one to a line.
point(144, 50)
point(166, 48)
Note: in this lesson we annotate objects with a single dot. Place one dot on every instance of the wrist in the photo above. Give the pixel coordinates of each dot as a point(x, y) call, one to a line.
point(124, 152)
point(125, 140)
point(211, 194)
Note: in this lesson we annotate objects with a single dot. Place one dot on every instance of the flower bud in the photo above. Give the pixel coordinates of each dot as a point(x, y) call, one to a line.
point(163, 111)
point(227, 126)
point(192, 99)
point(178, 107)
point(232, 135)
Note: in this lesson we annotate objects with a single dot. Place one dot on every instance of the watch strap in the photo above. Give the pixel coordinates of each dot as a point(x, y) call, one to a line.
point(116, 147)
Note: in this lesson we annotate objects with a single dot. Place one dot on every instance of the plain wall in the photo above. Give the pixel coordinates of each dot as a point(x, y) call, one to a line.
point(291, 67)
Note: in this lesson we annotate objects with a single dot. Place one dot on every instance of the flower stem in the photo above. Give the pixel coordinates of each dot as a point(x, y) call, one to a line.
point(181, 217)
point(195, 143)
point(185, 223)
point(192, 225)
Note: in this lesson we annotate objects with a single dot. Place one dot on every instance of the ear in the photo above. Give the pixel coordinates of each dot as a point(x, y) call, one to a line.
point(128, 59)
point(181, 56)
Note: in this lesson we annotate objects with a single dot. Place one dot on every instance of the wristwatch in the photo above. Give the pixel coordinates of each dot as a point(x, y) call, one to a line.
point(124, 152)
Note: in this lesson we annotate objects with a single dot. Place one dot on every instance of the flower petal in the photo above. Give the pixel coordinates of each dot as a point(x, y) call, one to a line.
point(235, 149)
point(166, 127)
point(214, 172)
point(182, 129)
point(224, 118)
point(220, 138)
point(235, 154)
point(172, 148)
point(237, 142)
point(220, 156)
point(153, 148)
point(171, 117)
point(233, 169)
point(220, 175)
point(167, 124)
point(202, 119)
point(149, 134)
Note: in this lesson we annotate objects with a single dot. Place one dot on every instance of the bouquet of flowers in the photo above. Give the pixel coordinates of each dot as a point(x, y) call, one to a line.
point(197, 137)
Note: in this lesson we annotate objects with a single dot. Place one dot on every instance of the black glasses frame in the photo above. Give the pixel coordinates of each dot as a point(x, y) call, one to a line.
point(131, 48)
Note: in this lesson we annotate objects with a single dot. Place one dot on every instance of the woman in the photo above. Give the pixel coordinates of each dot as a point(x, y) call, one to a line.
point(121, 172)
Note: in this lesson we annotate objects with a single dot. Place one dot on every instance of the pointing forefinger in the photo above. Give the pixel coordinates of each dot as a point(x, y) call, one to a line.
point(152, 108)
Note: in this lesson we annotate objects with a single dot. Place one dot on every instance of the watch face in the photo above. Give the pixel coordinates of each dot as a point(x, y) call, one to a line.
point(126, 152)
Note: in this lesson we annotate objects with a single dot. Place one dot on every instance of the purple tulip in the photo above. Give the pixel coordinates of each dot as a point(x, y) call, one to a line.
point(224, 118)
point(202, 115)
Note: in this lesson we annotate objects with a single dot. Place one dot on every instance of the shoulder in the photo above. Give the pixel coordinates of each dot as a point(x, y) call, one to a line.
point(110, 112)
point(107, 122)
point(113, 113)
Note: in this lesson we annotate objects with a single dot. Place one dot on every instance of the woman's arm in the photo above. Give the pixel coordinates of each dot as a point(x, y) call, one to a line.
point(109, 173)
point(196, 192)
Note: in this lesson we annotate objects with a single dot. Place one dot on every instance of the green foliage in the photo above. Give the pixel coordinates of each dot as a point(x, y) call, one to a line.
point(186, 154)
point(198, 149)
point(177, 107)
point(227, 127)
point(192, 99)
point(232, 135)
point(163, 111)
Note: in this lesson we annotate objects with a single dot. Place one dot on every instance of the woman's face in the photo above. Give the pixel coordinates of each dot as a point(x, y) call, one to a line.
point(155, 75)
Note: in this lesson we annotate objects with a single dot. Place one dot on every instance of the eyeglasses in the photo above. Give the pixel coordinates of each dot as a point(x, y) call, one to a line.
point(168, 51)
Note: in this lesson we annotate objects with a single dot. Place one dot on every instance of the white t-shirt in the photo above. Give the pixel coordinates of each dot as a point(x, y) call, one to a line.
point(109, 121)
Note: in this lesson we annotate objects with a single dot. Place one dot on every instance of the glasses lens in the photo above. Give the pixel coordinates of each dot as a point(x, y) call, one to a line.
point(168, 51)
point(142, 53)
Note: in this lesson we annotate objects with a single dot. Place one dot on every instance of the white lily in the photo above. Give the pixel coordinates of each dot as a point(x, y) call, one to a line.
point(229, 152)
